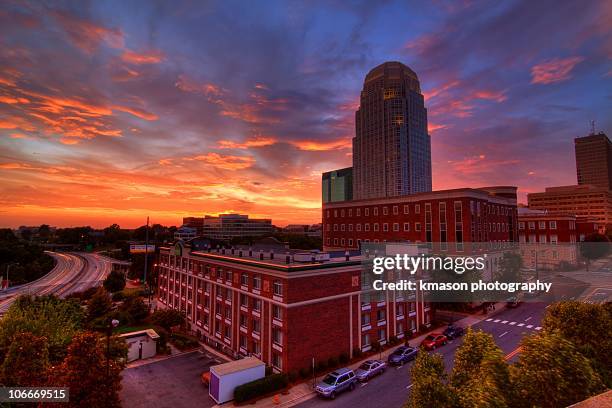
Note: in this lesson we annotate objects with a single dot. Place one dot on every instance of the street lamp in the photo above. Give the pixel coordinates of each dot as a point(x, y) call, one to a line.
point(8, 268)
point(111, 325)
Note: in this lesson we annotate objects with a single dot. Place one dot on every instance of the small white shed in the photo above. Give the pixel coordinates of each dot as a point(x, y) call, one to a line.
point(141, 344)
point(224, 378)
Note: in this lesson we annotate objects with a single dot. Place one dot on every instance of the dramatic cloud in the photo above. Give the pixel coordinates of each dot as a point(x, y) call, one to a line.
point(555, 70)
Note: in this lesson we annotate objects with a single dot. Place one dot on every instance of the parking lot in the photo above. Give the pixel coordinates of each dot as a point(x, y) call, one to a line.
point(173, 383)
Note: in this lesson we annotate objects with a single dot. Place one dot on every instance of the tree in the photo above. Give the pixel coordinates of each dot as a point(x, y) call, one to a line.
point(429, 388)
point(99, 305)
point(135, 308)
point(114, 282)
point(552, 373)
point(26, 362)
point(594, 247)
point(583, 324)
point(55, 319)
point(168, 318)
point(510, 267)
point(470, 355)
point(84, 371)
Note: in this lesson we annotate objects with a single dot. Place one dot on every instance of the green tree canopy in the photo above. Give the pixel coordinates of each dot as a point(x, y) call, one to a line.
point(168, 318)
point(55, 319)
point(552, 373)
point(135, 308)
point(469, 356)
point(26, 362)
point(587, 326)
point(429, 388)
point(114, 282)
point(99, 305)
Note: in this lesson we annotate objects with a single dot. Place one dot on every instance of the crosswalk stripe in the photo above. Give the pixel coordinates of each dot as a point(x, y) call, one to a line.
point(488, 320)
point(538, 328)
point(504, 322)
point(512, 323)
point(496, 321)
point(520, 324)
point(529, 326)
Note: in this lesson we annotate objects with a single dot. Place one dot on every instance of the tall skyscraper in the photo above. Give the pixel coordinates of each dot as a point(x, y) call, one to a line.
point(594, 160)
point(391, 147)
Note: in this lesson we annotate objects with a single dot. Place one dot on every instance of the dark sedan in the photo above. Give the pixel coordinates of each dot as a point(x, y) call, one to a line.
point(452, 331)
point(402, 355)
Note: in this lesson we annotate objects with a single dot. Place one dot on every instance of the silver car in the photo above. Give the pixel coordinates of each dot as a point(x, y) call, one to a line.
point(335, 382)
point(369, 369)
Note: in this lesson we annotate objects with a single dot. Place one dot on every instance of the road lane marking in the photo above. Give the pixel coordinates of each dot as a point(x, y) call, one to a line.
point(504, 322)
point(512, 323)
point(496, 321)
point(512, 354)
point(528, 319)
point(409, 386)
point(364, 384)
point(529, 326)
point(520, 324)
point(503, 334)
point(488, 320)
point(538, 328)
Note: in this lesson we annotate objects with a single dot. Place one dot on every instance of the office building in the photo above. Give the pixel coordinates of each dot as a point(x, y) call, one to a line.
point(228, 226)
point(337, 185)
point(391, 147)
point(594, 160)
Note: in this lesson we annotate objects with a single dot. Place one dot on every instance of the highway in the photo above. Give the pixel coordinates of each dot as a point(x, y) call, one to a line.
point(391, 389)
point(73, 272)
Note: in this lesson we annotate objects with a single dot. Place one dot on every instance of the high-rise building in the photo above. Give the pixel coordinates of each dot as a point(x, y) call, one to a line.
point(228, 226)
point(337, 185)
point(391, 147)
point(594, 160)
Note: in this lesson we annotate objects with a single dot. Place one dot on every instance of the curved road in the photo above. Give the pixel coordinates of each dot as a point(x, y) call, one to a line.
point(73, 272)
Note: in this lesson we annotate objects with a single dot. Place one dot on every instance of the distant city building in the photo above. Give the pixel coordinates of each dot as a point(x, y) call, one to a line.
point(228, 226)
point(391, 147)
point(185, 233)
point(449, 217)
point(594, 160)
point(303, 229)
point(583, 201)
point(549, 239)
point(194, 222)
point(337, 185)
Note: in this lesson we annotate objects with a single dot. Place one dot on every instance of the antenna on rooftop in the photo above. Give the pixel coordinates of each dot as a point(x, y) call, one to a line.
point(592, 127)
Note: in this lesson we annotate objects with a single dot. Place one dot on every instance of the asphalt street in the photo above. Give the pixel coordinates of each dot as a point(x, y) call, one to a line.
point(391, 389)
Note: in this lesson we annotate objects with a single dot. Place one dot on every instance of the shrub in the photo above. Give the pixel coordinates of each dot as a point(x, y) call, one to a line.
point(332, 362)
point(393, 340)
point(321, 366)
point(376, 345)
point(168, 318)
point(118, 296)
point(344, 358)
point(304, 373)
point(183, 342)
point(260, 387)
point(114, 282)
point(293, 375)
point(357, 352)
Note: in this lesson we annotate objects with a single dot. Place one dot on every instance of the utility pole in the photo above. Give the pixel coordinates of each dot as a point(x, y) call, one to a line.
point(146, 260)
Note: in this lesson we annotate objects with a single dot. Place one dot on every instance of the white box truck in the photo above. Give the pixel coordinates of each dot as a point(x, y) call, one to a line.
point(224, 378)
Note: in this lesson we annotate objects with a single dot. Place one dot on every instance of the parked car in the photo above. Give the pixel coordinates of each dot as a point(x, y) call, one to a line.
point(369, 369)
point(452, 331)
point(513, 302)
point(434, 340)
point(402, 355)
point(336, 382)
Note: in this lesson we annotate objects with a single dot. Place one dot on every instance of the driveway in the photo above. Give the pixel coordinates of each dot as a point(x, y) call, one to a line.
point(172, 383)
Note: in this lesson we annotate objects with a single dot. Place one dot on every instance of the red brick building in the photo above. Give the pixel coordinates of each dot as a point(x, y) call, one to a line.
point(455, 217)
point(287, 310)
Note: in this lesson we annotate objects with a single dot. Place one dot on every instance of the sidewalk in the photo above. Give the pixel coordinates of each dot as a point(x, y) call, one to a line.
point(303, 391)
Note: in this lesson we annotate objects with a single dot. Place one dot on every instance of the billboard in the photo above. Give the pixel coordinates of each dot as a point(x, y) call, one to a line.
point(141, 249)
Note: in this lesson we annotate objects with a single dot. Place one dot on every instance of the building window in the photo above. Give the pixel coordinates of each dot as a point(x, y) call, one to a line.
point(350, 242)
point(542, 225)
point(277, 312)
point(335, 241)
point(406, 209)
point(358, 227)
point(228, 276)
point(227, 332)
point(386, 227)
point(380, 315)
point(417, 208)
point(542, 238)
point(395, 210)
point(256, 347)
point(350, 212)
point(277, 361)
point(553, 225)
point(382, 334)
point(277, 335)
point(375, 211)
point(366, 212)
point(243, 321)
point(406, 226)
point(256, 282)
point(417, 226)
point(358, 212)
point(244, 279)
point(376, 227)
point(385, 210)
point(256, 325)
point(365, 340)
point(328, 227)
point(395, 226)
point(366, 227)
point(400, 310)
point(554, 239)
point(342, 242)
point(350, 227)
point(243, 342)
point(278, 288)
point(335, 227)
point(327, 213)
point(531, 225)
point(342, 213)
point(342, 227)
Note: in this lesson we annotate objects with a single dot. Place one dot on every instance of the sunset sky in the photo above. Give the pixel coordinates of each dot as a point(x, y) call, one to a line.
point(113, 111)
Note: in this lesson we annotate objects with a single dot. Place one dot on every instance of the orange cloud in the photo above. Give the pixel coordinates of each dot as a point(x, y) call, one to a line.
point(554, 70)
point(136, 112)
point(439, 90)
point(226, 162)
point(491, 95)
point(142, 58)
point(257, 141)
point(432, 127)
point(9, 100)
point(87, 35)
point(315, 146)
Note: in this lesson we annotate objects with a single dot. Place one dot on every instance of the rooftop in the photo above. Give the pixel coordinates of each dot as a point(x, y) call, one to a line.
point(235, 366)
